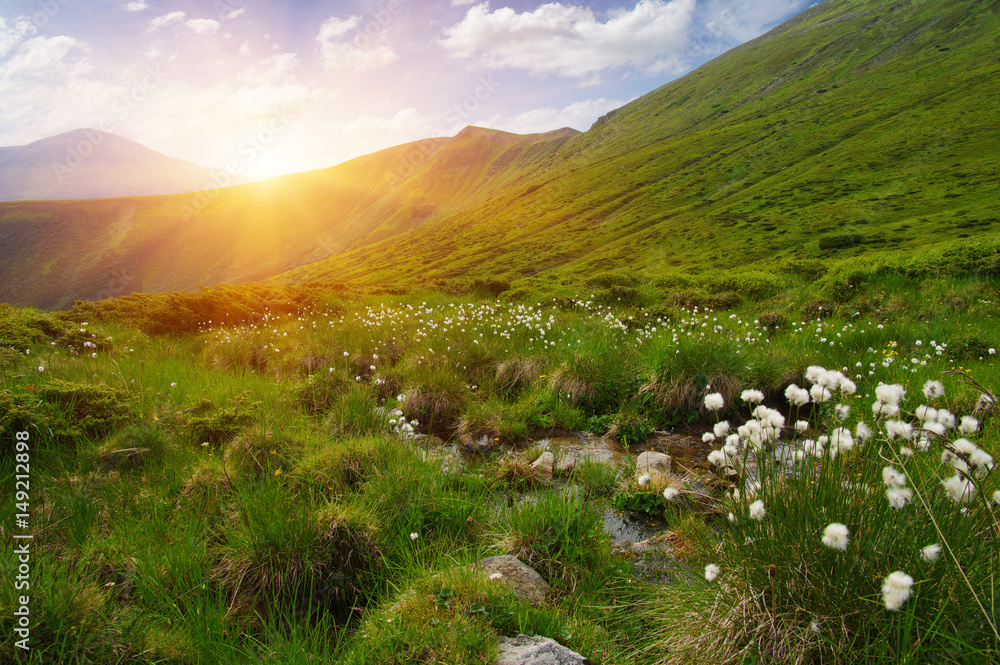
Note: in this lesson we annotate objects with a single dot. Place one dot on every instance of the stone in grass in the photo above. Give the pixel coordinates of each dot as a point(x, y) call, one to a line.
point(520, 577)
point(657, 465)
point(543, 465)
point(130, 456)
point(525, 650)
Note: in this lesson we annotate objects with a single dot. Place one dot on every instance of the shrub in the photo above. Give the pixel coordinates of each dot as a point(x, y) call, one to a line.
point(75, 410)
point(750, 284)
point(207, 422)
point(839, 241)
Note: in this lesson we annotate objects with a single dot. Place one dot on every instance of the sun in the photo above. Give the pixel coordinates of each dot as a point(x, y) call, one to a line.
point(272, 162)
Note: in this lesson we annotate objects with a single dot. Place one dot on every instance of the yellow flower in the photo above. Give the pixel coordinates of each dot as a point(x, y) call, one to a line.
point(277, 472)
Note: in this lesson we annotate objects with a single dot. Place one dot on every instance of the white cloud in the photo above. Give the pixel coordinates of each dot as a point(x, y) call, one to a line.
point(236, 13)
point(245, 48)
point(361, 52)
point(137, 6)
point(462, 3)
point(46, 56)
point(270, 69)
point(570, 41)
point(11, 36)
point(173, 18)
point(579, 115)
point(203, 26)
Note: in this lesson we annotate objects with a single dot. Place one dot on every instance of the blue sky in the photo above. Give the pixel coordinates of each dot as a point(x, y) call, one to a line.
point(309, 84)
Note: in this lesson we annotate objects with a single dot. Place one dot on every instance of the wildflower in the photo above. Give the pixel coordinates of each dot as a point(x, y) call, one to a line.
point(644, 480)
point(757, 511)
point(277, 472)
point(862, 432)
point(935, 427)
point(906, 452)
point(820, 394)
point(670, 493)
point(931, 552)
point(836, 536)
point(796, 396)
point(801, 425)
point(414, 535)
point(841, 439)
point(707, 437)
point(842, 411)
point(496, 576)
point(714, 401)
point(721, 429)
point(848, 387)
point(890, 394)
point(959, 489)
point(969, 425)
point(893, 478)
point(885, 410)
point(173, 384)
point(41, 368)
point(711, 572)
point(946, 418)
point(899, 428)
point(926, 413)
point(814, 626)
point(899, 497)
point(896, 589)
point(813, 372)
point(752, 396)
point(933, 389)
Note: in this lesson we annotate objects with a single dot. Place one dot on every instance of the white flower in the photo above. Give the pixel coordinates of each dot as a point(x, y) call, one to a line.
point(813, 372)
point(862, 432)
point(996, 498)
point(414, 535)
point(896, 589)
point(711, 572)
point(841, 439)
point(801, 425)
point(752, 396)
point(496, 576)
point(796, 396)
point(757, 511)
point(890, 394)
point(714, 401)
point(899, 496)
point(893, 478)
point(933, 389)
point(946, 418)
point(670, 494)
point(820, 394)
point(842, 411)
point(721, 429)
point(931, 552)
point(881, 409)
point(173, 384)
point(836, 535)
point(959, 489)
point(707, 437)
point(926, 413)
point(848, 387)
point(41, 368)
point(899, 428)
point(644, 480)
point(969, 425)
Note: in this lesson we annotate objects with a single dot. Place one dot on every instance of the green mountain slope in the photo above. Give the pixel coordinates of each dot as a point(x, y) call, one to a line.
point(869, 124)
point(54, 252)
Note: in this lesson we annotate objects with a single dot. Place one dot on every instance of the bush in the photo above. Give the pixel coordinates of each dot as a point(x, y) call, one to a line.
point(839, 241)
point(206, 422)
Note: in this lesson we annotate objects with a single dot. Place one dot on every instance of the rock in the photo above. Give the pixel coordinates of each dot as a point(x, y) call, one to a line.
point(543, 465)
point(522, 578)
point(524, 650)
point(657, 465)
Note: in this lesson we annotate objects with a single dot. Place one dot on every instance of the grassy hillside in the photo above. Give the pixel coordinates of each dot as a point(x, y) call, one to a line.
point(54, 252)
point(857, 130)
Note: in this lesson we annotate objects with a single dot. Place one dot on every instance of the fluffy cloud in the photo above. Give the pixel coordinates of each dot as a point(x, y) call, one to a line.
point(203, 26)
point(344, 46)
point(570, 41)
point(136, 6)
point(271, 69)
point(12, 35)
point(173, 18)
point(46, 56)
point(579, 115)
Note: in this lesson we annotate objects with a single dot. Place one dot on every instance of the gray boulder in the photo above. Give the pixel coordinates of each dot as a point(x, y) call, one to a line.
point(522, 578)
point(524, 650)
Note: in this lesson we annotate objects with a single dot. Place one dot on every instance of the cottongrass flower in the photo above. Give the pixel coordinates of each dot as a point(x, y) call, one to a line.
point(842, 411)
point(899, 497)
point(862, 432)
point(670, 493)
point(931, 552)
point(813, 372)
point(996, 498)
point(883, 410)
point(496, 576)
point(893, 478)
point(414, 535)
point(926, 413)
point(721, 429)
point(752, 396)
point(946, 418)
point(796, 396)
point(933, 389)
point(801, 425)
point(896, 589)
point(707, 437)
point(898, 428)
point(820, 394)
point(644, 480)
point(714, 401)
point(711, 572)
point(836, 536)
point(969, 425)
point(959, 489)
point(757, 511)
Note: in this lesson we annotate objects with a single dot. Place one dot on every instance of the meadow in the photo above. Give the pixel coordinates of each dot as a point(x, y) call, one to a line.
point(276, 474)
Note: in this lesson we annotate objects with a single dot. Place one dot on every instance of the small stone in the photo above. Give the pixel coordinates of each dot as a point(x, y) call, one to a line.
point(536, 650)
point(657, 465)
point(525, 581)
point(543, 465)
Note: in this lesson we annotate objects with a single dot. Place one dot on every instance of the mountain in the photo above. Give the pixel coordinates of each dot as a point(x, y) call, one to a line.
point(860, 130)
point(91, 164)
point(55, 252)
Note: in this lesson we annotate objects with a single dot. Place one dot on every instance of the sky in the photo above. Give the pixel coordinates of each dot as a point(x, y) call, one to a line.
point(262, 88)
